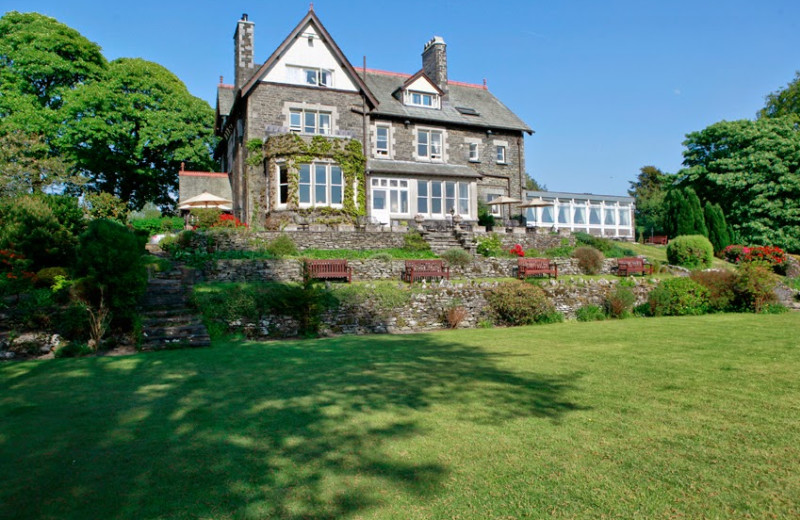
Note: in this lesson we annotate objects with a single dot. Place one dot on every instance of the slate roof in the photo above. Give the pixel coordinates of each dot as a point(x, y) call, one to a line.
point(492, 113)
point(191, 184)
point(225, 97)
point(420, 168)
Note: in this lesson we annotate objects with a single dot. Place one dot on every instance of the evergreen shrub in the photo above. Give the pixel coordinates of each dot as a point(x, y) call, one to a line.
point(518, 303)
point(690, 251)
point(590, 260)
point(678, 297)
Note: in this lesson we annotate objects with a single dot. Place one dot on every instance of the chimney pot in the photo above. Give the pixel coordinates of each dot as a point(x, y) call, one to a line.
point(244, 16)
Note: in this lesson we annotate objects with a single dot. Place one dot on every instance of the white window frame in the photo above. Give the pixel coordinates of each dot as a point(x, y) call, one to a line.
point(387, 151)
point(318, 129)
point(474, 152)
point(416, 98)
point(501, 154)
point(313, 76)
point(313, 184)
point(429, 153)
point(443, 199)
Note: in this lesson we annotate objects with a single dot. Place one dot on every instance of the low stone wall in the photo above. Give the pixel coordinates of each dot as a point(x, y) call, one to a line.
point(427, 305)
point(373, 269)
point(374, 237)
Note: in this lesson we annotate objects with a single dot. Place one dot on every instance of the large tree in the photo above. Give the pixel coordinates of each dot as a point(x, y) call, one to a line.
point(28, 165)
point(784, 102)
point(129, 131)
point(649, 190)
point(752, 170)
point(41, 60)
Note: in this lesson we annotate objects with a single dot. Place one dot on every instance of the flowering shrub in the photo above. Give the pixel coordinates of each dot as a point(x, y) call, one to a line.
point(15, 278)
point(227, 220)
point(517, 250)
point(735, 253)
point(772, 255)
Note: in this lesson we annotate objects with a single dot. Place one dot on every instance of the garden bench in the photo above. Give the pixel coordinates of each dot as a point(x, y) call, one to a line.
point(660, 240)
point(328, 270)
point(427, 269)
point(535, 267)
point(633, 265)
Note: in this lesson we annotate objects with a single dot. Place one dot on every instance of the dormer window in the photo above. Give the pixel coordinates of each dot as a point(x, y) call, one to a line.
point(421, 99)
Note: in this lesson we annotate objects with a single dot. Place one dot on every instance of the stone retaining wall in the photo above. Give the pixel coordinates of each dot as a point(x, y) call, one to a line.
point(427, 305)
point(373, 238)
point(373, 269)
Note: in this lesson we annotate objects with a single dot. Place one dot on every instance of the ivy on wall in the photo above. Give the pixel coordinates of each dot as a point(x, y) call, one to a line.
point(295, 150)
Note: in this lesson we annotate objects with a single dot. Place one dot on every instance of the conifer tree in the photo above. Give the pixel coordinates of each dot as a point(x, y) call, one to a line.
point(718, 232)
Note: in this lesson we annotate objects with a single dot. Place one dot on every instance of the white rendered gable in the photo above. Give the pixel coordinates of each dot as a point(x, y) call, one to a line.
point(422, 85)
point(308, 51)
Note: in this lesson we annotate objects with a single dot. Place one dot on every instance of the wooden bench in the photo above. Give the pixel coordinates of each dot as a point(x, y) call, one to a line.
point(328, 270)
point(660, 240)
point(425, 269)
point(536, 267)
point(633, 265)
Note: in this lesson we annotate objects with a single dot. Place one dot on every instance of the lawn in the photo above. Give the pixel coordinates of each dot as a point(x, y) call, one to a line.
point(694, 417)
point(660, 253)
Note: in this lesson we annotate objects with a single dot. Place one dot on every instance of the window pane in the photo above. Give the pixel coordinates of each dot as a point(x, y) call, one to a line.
point(325, 78)
point(450, 189)
point(324, 123)
point(436, 188)
point(422, 188)
point(594, 216)
point(404, 202)
point(501, 153)
point(623, 217)
point(436, 144)
point(436, 206)
point(473, 152)
point(305, 193)
point(311, 76)
point(611, 216)
point(463, 206)
point(336, 194)
point(382, 140)
point(563, 214)
point(294, 119)
point(579, 216)
point(422, 204)
point(393, 183)
point(310, 122)
point(305, 174)
point(336, 175)
point(547, 215)
point(422, 144)
point(416, 98)
point(393, 203)
point(379, 199)
point(463, 190)
point(426, 100)
point(320, 194)
point(320, 172)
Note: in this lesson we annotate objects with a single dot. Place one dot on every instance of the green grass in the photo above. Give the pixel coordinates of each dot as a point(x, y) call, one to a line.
point(655, 418)
point(660, 253)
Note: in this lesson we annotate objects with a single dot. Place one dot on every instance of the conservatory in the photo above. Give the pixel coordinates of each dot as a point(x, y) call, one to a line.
point(602, 215)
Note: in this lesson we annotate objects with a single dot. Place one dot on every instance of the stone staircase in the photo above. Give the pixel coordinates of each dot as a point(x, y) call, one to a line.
point(168, 321)
point(441, 241)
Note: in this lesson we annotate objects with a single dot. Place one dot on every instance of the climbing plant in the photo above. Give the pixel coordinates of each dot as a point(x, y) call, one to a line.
point(295, 150)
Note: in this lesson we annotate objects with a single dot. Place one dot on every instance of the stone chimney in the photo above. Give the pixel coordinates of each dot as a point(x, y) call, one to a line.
point(243, 63)
point(434, 62)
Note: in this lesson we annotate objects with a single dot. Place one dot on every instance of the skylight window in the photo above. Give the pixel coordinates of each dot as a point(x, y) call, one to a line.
point(467, 111)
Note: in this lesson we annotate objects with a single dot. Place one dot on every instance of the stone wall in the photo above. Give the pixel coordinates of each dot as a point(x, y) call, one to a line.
point(321, 237)
point(372, 269)
point(427, 307)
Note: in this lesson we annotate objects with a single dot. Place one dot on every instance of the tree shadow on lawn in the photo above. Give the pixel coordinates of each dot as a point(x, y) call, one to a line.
point(280, 430)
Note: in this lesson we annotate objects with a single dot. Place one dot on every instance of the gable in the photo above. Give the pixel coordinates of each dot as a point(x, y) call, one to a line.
point(422, 84)
point(307, 53)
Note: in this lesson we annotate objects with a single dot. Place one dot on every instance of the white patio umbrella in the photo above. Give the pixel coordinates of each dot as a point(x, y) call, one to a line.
point(206, 200)
point(505, 201)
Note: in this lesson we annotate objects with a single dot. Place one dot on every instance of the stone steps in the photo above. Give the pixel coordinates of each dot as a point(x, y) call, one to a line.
point(168, 321)
point(442, 241)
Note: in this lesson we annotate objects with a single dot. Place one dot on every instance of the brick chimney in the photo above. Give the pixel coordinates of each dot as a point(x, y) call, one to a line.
point(243, 63)
point(434, 61)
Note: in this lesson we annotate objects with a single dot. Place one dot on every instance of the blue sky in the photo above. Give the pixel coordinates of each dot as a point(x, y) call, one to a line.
point(608, 86)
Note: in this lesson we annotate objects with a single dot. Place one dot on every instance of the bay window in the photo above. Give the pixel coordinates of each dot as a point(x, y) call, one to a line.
point(320, 184)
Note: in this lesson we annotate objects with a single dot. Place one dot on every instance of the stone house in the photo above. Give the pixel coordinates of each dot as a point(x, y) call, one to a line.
point(306, 130)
